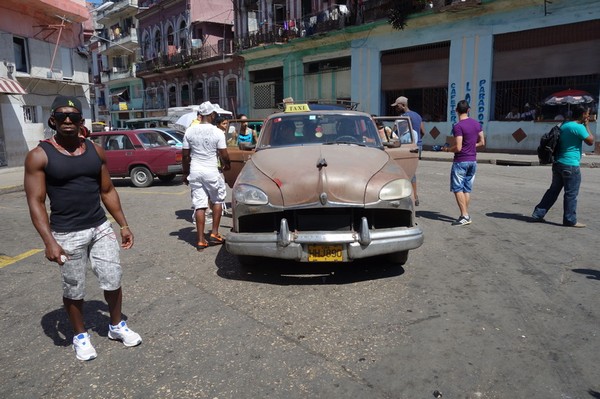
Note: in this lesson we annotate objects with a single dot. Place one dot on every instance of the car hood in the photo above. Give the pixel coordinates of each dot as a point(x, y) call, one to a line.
point(306, 174)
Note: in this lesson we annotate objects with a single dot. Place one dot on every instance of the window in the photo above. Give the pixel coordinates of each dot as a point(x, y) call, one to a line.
point(172, 97)
point(199, 93)
point(67, 62)
point(29, 114)
point(213, 91)
point(185, 95)
point(542, 69)
point(182, 36)
point(516, 93)
point(117, 142)
point(157, 44)
point(21, 58)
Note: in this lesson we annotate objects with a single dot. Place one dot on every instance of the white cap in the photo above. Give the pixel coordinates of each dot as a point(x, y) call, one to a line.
point(400, 100)
point(206, 108)
point(220, 110)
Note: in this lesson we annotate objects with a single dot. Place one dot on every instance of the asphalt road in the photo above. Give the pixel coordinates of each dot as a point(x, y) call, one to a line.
point(502, 308)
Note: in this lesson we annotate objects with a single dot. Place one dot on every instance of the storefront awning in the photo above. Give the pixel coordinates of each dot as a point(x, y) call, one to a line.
point(118, 92)
point(9, 86)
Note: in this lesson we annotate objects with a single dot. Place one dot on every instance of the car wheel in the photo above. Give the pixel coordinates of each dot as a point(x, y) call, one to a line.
point(167, 178)
point(141, 176)
point(399, 258)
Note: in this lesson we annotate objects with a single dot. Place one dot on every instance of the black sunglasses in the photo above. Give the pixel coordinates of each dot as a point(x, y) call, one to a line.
point(60, 117)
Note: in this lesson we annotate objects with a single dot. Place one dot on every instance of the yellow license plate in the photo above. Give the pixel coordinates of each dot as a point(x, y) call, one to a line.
point(325, 253)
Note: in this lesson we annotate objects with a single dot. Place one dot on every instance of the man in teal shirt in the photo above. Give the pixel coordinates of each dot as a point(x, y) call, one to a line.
point(565, 169)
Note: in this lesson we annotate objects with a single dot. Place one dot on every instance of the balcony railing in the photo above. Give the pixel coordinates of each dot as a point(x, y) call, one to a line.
point(132, 104)
point(178, 60)
point(127, 39)
point(116, 10)
point(116, 74)
point(339, 17)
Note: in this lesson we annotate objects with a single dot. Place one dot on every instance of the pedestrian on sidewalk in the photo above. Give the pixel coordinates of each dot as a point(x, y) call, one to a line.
point(203, 145)
point(72, 172)
point(468, 135)
point(416, 121)
point(566, 168)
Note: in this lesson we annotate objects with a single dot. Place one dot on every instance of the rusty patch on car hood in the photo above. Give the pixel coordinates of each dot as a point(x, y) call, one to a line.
point(338, 173)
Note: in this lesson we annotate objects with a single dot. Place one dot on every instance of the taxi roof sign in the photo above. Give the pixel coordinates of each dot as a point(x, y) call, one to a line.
point(297, 108)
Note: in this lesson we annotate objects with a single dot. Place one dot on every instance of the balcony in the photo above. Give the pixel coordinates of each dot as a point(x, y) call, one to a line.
point(178, 60)
point(117, 74)
point(119, 9)
point(131, 104)
point(118, 40)
point(339, 17)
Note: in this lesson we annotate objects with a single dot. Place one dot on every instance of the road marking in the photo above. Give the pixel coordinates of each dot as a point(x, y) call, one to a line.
point(158, 192)
point(7, 260)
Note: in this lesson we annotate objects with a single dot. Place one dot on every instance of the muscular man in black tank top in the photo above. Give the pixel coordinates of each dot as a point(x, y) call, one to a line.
point(72, 172)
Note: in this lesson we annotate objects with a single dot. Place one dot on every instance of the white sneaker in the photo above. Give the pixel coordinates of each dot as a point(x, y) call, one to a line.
point(122, 333)
point(83, 347)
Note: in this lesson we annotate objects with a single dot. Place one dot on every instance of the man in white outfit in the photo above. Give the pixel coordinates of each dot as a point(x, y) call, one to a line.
point(203, 145)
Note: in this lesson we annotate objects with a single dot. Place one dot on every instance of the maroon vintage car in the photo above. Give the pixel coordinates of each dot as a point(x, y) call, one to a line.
point(139, 154)
point(321, 186)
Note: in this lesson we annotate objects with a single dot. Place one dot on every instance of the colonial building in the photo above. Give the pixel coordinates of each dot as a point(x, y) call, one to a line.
point(42, 53)
point(498, 54)
point(119, 93)
point(187, 54)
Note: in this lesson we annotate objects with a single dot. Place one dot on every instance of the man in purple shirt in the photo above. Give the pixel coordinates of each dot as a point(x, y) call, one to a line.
point(468, 136)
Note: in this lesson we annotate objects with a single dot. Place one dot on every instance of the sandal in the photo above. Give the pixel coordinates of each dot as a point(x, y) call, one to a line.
point(215, 239)
point(201, 246)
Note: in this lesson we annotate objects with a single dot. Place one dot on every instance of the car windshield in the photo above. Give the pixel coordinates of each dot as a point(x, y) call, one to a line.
point(173, 134)
point(152, 139)
point(319, 128)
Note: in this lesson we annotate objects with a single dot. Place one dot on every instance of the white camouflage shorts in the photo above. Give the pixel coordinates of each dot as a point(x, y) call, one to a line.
point(207, 185)
point(101, 247)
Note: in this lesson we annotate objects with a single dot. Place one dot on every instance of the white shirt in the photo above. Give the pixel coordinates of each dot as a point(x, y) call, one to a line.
point(204, 140)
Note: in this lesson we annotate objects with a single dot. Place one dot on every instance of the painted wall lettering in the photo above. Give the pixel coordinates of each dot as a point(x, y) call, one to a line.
point(481, 101)
point(453, 117)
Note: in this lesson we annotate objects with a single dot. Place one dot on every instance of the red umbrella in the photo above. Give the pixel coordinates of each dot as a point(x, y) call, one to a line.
point(569, 97)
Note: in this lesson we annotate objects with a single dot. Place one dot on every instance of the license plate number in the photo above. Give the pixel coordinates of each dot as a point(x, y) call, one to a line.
point(325, 253)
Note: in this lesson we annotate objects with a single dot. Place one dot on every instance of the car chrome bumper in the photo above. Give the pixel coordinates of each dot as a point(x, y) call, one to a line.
point(175, 169)
point(294, 246)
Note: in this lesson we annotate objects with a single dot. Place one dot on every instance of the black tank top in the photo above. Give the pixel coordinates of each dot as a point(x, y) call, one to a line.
point(73, 186)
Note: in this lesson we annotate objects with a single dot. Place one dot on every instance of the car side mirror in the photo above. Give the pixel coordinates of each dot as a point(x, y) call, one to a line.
point(391, 144)
point(246, 146)
point(171, 142)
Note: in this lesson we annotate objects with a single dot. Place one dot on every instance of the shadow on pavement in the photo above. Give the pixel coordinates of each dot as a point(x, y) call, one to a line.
point(519, 216)
point(281, 272)
point(186, 234)
point(591, 273)
point(57, 327)
point(434, 216)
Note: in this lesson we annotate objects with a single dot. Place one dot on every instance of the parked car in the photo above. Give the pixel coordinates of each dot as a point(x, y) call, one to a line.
point(173, 137)
point(139, 154)
point(320, 186)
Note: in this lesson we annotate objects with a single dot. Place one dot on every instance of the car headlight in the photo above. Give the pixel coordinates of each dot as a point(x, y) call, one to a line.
point(396, 189)
point(250, 195)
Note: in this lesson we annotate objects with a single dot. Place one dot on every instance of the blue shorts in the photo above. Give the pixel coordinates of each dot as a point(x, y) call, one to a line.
point(462, 176)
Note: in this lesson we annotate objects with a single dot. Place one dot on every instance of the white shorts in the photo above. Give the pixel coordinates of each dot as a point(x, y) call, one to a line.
point(205, 185)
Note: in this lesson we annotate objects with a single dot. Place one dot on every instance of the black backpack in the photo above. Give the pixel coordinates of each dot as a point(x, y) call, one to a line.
point(548, 145)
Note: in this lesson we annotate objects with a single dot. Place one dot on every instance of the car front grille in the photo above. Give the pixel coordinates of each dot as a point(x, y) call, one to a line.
point(325, 219)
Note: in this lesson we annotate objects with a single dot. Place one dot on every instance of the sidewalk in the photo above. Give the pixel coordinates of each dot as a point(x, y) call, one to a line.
point(11, 179)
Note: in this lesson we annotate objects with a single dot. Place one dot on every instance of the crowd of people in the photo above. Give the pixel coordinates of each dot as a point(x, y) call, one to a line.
point(71, 171)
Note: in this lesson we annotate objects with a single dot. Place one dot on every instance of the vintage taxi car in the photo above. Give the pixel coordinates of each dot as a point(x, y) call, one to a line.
point(321, 186)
